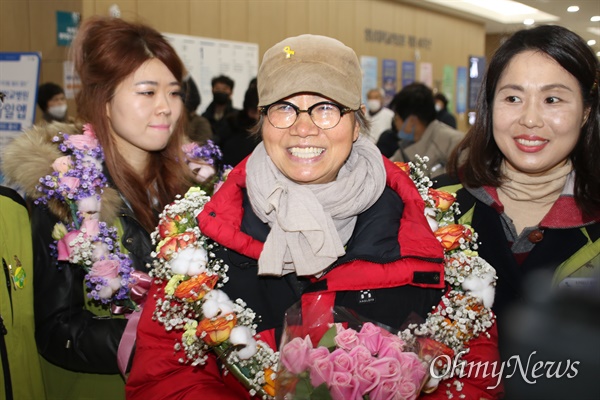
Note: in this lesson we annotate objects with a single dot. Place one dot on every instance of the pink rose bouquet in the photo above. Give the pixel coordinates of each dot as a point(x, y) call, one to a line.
point(351, 360)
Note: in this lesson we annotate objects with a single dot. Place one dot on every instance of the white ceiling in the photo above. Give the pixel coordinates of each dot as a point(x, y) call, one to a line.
point(578, 22)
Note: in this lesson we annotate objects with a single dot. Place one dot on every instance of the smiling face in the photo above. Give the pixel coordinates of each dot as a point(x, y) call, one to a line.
point(144, 110)
point(305, 153)
point(538, 113)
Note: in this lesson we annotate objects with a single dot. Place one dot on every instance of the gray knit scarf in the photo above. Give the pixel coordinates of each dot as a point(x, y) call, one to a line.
point(310, 224)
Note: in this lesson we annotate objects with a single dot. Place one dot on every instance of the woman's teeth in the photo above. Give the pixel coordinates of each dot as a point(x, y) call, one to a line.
point(526, 142)
point(306, 152)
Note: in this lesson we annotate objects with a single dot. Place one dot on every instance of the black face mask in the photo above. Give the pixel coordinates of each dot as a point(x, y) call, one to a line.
point(220, 98)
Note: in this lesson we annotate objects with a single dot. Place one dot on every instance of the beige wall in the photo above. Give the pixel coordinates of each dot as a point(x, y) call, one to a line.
point(30, 25)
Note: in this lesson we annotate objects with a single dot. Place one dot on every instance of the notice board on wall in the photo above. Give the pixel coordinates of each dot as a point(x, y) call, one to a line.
point(206, 58)
point(19, 75)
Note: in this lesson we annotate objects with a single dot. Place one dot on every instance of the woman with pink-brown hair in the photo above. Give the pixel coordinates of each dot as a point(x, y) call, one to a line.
point(98, 190)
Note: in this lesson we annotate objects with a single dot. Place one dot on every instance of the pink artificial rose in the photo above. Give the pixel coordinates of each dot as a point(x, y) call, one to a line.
point(294, 355)
point(361, 355)
point(62, 164)
point(412, 368)
point(70, 182)
point(344, 386)
point(321, 371)
point(391, 346)
point(389, 368)
point(346, 339)
point(368, 379)
point(407, 388)
point(91, 226)
point(319, 353)
point(370, 337)
point(105, 269)
point(63, 246)
point(86, 141)
point(342, 361)
point(385, 390)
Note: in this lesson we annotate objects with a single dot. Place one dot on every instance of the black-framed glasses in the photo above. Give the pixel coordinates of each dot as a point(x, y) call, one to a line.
point(325, 115)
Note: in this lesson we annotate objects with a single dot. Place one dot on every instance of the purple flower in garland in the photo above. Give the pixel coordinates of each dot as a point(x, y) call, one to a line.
point(77, 174)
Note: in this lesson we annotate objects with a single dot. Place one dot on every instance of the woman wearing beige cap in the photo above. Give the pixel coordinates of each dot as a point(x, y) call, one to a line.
point(315, 213)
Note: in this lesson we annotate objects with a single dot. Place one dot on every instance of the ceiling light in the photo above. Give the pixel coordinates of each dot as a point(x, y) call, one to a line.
point(528, 21)
point(572, 9)
point(502, 11)
point(591, 42)
point(595, 18)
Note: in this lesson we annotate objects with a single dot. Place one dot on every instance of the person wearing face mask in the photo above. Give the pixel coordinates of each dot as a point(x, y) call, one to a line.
point(441, 108)
point(418, 132)
point(379, 116)
point(221, 106)
point(53, 103)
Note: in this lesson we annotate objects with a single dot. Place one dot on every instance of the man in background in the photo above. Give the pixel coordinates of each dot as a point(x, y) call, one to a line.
point(221, 106)
point(418, 132)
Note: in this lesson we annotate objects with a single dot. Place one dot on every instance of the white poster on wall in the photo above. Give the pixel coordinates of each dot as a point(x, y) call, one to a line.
point(19, 74)
point(71, 81)
point(206, 58)
point(426, 74)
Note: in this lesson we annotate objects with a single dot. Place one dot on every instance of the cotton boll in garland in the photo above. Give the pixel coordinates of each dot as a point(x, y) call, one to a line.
point(190, 261)
point(481, 287)
point(216, 302)
point(242, 336)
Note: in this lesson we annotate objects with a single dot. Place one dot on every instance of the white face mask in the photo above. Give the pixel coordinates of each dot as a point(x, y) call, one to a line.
point(438, 107)
point(373, 105)
point(58, 111)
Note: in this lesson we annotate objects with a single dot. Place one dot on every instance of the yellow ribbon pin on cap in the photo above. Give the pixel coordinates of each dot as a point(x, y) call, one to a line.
point(288, 52)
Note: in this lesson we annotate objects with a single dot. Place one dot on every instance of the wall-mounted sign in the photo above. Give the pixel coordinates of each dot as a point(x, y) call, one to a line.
point(19, 74)
point(66, 27)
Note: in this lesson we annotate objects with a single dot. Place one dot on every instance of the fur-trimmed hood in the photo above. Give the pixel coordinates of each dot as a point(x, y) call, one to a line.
point(30, 156)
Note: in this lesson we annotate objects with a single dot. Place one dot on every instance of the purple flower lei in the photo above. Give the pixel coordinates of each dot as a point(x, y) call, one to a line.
point(79, 176)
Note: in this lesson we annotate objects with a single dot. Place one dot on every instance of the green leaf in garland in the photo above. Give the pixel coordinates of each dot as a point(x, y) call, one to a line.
point(328, 339)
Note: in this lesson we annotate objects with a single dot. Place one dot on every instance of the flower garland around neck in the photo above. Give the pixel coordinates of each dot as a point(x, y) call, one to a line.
point(465, 310)
point(193, 304)
point(77, 181)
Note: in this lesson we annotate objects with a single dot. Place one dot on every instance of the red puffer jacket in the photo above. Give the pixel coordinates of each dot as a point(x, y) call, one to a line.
point(392, 252)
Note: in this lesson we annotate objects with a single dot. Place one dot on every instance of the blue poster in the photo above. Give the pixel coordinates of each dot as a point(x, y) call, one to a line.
point(408, 73)
point(461, 90)
point(66, 27)
point(368, 65)
point(389, 80)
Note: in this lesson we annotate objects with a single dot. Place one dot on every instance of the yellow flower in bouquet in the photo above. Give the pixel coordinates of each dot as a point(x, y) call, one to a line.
point(453, 235)
point(196, 287)
point(214, 331)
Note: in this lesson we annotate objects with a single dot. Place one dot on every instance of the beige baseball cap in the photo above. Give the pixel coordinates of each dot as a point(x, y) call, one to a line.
point(310, 63)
